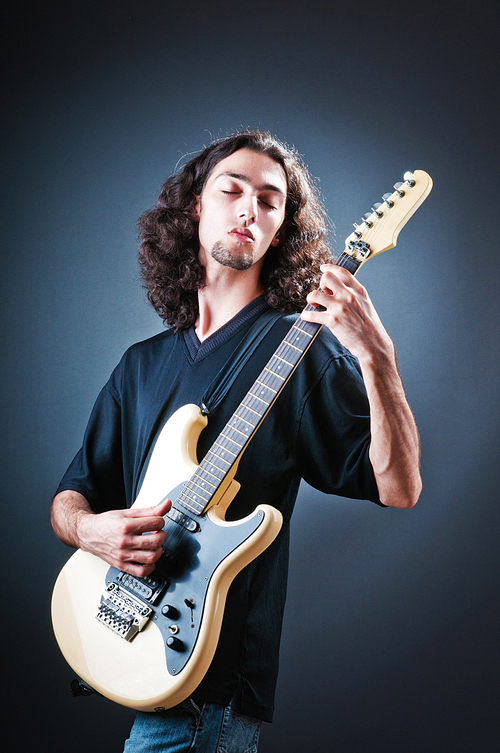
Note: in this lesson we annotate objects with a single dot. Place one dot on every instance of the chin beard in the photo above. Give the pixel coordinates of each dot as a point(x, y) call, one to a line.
point(229, 258)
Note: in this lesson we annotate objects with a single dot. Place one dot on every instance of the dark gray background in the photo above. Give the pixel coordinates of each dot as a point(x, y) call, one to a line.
point(391, 634)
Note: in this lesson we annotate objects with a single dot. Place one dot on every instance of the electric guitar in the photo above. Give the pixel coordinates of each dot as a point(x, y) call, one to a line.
point(147, 642)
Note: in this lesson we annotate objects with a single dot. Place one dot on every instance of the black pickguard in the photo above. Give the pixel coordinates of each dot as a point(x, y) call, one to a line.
point(177, 589)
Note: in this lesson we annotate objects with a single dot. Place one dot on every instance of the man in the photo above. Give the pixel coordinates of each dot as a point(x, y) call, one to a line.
point(238, 230)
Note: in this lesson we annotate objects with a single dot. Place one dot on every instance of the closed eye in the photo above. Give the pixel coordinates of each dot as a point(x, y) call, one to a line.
point(266, 203)
point(270, 206)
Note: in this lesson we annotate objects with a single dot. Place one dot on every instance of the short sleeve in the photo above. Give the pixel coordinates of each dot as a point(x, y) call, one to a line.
point(333, 433)
point(97, 469)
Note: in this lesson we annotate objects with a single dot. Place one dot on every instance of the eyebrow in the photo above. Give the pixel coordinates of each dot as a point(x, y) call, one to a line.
point(245, 179)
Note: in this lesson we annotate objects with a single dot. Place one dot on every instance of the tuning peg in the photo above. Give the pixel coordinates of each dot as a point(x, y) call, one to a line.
point(408, 178)
point(375, 208)
point(387, 198)
point(397, 188)
point(366, 220)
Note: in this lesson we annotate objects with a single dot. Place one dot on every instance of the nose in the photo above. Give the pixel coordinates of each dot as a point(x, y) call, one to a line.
point(248, 211)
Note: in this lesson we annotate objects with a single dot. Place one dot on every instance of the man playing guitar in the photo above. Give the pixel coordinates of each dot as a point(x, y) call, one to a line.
point(240, 229)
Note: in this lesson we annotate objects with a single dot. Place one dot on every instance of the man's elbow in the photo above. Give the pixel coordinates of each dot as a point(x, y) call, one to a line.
point(403, 498)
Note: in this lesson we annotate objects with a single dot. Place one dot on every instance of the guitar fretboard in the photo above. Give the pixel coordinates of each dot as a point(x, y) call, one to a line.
point(231, 442)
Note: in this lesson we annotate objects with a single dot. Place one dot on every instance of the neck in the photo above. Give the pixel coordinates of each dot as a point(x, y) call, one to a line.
point(225, 293)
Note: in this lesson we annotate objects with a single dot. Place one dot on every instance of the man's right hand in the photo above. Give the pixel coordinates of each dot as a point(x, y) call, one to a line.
point(129, 539)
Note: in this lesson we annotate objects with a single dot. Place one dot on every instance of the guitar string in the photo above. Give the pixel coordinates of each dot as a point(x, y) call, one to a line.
point(171, 525)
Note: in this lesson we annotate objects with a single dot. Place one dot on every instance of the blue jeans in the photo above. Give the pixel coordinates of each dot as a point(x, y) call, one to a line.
point(186, 727)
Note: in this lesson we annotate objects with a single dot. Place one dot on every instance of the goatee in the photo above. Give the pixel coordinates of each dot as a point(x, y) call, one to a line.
point(229, 258)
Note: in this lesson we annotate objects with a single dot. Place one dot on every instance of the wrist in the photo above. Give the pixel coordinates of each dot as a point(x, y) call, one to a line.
point(380, 360)
point(82, 524)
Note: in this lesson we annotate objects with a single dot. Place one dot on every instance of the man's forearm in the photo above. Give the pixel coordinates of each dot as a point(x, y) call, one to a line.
point(346, 308)
point(68, 508)
point(395, 444)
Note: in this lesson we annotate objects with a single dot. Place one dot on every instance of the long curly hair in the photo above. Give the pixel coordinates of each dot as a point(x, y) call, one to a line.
point(168, 253)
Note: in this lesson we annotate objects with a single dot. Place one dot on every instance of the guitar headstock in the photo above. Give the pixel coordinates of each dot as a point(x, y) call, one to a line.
point(380, 227)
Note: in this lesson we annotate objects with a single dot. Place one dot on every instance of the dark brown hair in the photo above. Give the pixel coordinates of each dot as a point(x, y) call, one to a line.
point(168, 254)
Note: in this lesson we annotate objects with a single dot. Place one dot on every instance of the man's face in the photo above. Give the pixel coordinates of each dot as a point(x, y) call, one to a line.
point(241, 210)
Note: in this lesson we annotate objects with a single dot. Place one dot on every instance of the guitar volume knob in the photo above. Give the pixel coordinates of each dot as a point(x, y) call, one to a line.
point(169, 611)
point(175, 643)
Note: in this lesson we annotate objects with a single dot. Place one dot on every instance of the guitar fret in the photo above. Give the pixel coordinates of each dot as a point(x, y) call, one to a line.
point(284, 360)
point(205, 480)
point(210, 472)
point(245, 420)
point(293, 346)
point(301, 338)
point(238, 430)
point(253, 411)
point(187, 505)
point(201, 487)
point(194, 500)
point(258, 398)
point(260, 388)
point(349, 262)
point(278, 376)
point(302, 331)
point(267, 386)
point(212, 452)
point(203, 493)
point(230, 439)
point(226, 449)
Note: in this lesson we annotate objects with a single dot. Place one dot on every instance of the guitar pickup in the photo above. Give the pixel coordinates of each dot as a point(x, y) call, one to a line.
point(183, 520)
point(147, 588)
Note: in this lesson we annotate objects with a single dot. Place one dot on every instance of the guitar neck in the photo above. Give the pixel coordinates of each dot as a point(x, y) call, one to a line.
point(377, 233)
point(241, 427)
point(235, 436)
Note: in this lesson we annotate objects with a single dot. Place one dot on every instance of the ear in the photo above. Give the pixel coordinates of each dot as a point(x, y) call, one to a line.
point(280, 236)
point(197, 209)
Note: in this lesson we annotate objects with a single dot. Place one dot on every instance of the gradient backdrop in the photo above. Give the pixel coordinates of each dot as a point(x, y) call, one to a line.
point(390, 642)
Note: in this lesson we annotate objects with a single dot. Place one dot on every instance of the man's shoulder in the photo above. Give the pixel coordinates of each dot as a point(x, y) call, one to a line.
point(143, 354)
point(151, 345)
point(141, 361)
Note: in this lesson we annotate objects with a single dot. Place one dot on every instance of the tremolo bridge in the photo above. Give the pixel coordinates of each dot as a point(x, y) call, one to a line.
point(119, 608)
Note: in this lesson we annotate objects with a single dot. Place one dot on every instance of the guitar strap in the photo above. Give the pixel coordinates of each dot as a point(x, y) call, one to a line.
point(229, 372)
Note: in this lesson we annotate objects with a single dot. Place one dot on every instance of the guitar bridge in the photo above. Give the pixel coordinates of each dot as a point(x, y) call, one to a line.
point(122, 613)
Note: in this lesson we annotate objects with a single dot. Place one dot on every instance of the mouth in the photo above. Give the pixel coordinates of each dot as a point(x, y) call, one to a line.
point(242, 234)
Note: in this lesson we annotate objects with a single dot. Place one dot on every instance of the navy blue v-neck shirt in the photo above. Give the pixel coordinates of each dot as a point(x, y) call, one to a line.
point(318, 430)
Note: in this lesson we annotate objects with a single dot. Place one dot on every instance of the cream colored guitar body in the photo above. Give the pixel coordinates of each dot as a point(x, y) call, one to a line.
point(135, 672)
